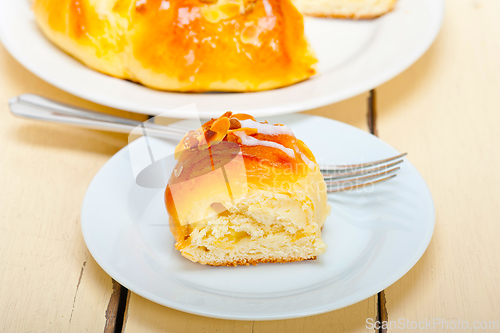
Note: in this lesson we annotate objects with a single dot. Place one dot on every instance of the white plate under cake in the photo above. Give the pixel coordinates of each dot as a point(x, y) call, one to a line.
point(372, 239)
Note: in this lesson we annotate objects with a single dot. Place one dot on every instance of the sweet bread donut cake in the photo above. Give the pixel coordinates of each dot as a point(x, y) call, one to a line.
point(245, 192)
point(184, 45)
point(355, 9)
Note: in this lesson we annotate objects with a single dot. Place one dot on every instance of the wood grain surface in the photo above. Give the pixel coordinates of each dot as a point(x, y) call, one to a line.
point(445, 111)
point(48, 280)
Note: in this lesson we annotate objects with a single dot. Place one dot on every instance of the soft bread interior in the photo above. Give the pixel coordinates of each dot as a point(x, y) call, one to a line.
point(264, 227)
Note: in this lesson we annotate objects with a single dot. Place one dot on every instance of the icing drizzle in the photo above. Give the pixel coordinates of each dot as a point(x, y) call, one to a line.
point(251, 141)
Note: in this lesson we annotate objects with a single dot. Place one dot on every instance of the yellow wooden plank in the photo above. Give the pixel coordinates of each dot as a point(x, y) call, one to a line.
point(145, 316)
point(49, 282)
point(350, 319)
point(445, 112)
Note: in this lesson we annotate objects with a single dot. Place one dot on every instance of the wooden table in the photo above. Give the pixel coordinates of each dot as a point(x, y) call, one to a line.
point(444, 111)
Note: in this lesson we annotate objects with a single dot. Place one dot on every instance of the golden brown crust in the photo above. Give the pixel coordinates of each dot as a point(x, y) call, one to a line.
point(362, 11)
point(180, 45)
point(256, 154)
point(248, 262)
point(349, 17)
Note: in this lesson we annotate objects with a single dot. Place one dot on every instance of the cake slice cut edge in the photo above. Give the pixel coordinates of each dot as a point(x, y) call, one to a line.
point(266, 227)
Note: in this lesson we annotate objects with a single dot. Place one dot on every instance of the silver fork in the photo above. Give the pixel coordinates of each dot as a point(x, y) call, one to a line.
point(355, 176)
point(337, 177)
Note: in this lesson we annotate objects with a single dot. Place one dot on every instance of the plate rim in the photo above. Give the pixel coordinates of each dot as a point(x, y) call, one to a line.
point(304, 105)
point(353, 299)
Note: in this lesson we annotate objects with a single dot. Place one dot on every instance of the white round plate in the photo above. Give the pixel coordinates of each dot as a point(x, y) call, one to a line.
point(354, 57)
point(373, 238)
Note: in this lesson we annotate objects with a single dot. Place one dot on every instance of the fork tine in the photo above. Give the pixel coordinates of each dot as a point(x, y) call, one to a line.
point(340, 175)
point(364, 179)
point(338, 168)
point(353, 187)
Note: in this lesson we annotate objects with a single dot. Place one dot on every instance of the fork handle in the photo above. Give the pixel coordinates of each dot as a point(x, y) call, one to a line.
point(40, 108)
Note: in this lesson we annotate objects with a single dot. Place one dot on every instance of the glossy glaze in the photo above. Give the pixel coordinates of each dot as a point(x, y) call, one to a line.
point(271, 153)
point(260, 45)
point(186, 45)
point(77, 18)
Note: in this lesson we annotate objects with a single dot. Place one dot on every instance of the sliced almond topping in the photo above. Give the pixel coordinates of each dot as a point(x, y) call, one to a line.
point(221, 126)
point(215, 130)
point(234, 123)
point(242, 116)
point(227, 114)
point(209, 123)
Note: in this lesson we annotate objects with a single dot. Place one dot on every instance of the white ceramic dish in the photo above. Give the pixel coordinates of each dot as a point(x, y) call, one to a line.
point(373, 238)
point(354, 57)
